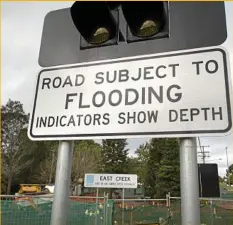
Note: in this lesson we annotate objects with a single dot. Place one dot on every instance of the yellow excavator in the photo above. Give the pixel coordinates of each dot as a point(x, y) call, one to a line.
point(35, 189)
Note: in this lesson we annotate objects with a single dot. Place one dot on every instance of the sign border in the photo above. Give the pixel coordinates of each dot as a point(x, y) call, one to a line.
point(109, 174)
point(134, 134)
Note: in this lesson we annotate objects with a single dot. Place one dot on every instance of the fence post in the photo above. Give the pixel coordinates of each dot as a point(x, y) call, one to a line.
point(104, 214)
point(123, 206)
point(106, 210)
point(131, 216)
point(96, 207)
point(169, 199)
point(211, 212)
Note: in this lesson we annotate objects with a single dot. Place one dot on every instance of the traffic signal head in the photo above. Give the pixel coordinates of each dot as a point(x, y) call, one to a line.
point(144, 19)
point(124, 29)
point(98, 22)
point(95, 23)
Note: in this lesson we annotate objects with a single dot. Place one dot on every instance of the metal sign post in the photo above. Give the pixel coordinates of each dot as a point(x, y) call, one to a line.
point(190, 206)
point(62, 183)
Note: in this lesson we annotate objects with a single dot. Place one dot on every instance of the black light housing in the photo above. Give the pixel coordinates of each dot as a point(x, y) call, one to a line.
point(95, 22)
point(146, 20)
point(188, 25)
point(113, 5)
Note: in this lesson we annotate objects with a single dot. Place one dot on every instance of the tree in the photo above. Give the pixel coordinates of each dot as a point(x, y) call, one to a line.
point(86, 156)
point(229, 174)
point(169, 171)
point(114, 156)
point(163, 167)
point(47, 162)
point(38, 152)
point(221, 180)
point(156, 147)
point(138, 165)
point(13, 121)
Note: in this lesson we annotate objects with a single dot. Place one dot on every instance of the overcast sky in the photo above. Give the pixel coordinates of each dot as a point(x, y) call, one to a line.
point(21, 33)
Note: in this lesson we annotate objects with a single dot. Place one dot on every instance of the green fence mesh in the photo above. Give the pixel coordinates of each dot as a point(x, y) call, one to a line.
point(213, 212)
point(80, 213)
point(140, 212)
point(133, 212)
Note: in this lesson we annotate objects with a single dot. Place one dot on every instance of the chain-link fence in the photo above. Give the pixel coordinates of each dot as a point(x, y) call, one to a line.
point(36, 210)
point(141, 211)
point(213, 211)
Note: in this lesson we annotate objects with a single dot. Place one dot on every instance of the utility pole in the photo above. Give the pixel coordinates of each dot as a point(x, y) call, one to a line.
point(214, 160)
point(202, 151)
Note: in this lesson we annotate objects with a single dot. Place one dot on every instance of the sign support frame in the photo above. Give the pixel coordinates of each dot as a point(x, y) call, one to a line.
point(62, 183)
point(190, 206)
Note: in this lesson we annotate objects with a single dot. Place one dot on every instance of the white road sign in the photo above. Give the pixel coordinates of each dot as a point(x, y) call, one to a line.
point(174, 94)
point(111, 180)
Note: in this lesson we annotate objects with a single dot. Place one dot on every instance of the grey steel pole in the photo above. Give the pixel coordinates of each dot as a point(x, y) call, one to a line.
point(62, 183)
point(190, 206)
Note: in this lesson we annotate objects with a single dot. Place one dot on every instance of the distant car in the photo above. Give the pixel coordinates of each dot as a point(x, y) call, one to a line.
point(49, 188)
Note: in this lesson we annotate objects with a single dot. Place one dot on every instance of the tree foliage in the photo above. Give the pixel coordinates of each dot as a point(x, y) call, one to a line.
point(156, 162)
point(86, 156)
point(229, 174)
point(114, 156)
point(13, 121)
point(26, 161)
point(46, 162)
point(163, 173)
point(138, 165)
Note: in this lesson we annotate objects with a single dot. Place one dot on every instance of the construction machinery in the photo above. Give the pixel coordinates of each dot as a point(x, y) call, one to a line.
point(37, 189)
